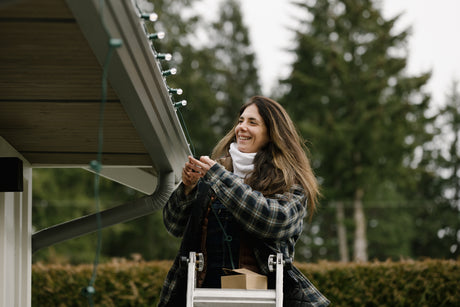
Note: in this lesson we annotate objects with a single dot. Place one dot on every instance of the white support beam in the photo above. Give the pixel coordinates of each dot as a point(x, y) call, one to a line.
point(15, 238)
point(134, 178)
point(141, 178)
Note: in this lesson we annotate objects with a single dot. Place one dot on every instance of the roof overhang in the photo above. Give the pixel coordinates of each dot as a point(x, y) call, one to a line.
point(52, 53)
point(135, 75)
point(51, 56)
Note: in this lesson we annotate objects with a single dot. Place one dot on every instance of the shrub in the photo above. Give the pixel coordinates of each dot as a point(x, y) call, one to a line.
point(404, 283)
point(130, 283)
point(120, 283)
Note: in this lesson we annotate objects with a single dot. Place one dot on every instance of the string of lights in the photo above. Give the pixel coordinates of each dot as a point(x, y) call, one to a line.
point(96, 165)
point(152, 17)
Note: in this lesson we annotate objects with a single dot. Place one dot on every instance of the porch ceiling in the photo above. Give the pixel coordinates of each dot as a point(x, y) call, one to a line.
point(50, 87)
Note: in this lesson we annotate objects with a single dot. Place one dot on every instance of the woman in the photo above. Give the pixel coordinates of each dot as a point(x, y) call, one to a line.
point(246, 202)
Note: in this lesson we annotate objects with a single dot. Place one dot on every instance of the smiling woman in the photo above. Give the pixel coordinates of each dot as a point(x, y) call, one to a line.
point(251, 132)
point(246, 202)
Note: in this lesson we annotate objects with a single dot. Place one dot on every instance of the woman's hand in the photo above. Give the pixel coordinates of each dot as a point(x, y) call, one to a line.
point(189, 178)
point(195, 169)
point(205, 163)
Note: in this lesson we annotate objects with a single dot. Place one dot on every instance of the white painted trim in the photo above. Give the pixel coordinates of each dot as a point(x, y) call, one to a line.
point(15, 238)
point(134, 178)
point(131, 176)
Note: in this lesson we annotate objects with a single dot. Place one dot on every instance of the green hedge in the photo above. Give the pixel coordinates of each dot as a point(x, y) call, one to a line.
point(406, 283)
point(117, 284)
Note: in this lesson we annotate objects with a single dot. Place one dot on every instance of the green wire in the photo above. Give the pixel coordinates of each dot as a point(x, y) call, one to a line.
point(96, 165)
point(181, 118)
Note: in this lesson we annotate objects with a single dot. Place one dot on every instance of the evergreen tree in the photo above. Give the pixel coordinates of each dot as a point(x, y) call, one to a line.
point(217, 77)
point(194, 64)
point(442, 216)
point(364, 117)
point(452, 183)
point(235, 78)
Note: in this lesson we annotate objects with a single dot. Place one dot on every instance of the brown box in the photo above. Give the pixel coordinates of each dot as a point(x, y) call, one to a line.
point(243, 279)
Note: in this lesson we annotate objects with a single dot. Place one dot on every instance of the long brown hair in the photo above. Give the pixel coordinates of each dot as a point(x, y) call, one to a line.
point(283, 161)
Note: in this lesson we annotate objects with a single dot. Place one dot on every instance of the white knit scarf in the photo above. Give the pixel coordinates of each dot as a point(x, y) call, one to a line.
point(242, 162)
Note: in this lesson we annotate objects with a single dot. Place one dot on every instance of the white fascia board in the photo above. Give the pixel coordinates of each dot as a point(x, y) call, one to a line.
point(135, 75)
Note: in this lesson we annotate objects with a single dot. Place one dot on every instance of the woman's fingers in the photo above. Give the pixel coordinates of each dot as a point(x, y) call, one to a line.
point(195, 169)
point(204, 163)
point(193, 175)
point(189, 181)
point(190, 178)
point(191, 167)
point(208, 161)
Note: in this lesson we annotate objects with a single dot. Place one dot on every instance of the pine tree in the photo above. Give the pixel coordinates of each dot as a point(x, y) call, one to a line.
point(217, 77)
point(437, 219)
point(235, 78)
point(351, 99)
point(453, 181)
point(446, 160)
point(194, 64)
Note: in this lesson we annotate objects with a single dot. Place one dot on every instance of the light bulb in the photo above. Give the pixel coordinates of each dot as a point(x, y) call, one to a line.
point(151, 16)
point(158, 35)
point(115, 42)
point(164, 56)
point(170, 72)
point(177, 91)
point(180, 104)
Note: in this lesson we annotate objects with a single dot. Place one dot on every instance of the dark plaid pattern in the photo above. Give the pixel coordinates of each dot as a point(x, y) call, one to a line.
point(276, 221)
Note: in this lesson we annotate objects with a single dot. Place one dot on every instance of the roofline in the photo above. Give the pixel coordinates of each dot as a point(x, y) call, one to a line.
point(135, 75)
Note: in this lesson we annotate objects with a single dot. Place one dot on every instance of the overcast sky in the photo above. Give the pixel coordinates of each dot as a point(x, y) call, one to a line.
point(434, 44)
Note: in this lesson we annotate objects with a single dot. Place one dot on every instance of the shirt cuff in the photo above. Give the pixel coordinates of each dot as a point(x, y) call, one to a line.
point(214, 173)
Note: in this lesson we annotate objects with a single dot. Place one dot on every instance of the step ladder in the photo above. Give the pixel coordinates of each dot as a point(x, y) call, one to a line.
point(214, 297)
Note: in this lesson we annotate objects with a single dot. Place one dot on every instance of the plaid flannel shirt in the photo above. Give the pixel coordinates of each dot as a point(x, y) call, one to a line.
point(277, 221)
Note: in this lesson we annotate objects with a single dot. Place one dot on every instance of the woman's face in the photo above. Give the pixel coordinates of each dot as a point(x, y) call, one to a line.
point(251, 132)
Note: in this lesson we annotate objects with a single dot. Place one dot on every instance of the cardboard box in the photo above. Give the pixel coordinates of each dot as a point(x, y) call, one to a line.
point(243, 279)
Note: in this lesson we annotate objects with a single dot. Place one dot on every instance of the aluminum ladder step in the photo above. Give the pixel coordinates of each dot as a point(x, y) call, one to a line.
point(203, 297)
point(214, 297)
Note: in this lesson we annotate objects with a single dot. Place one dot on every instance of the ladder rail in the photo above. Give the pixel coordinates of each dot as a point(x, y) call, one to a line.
point(279, 280)
point(191, 278)
point(202, 297)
